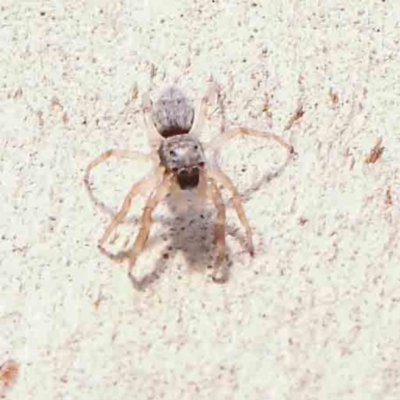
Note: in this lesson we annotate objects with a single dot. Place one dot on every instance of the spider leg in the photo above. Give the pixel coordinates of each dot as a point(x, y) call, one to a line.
point(131, 155)
point(146, 221)
point(153, 135)
point(219, 227)
point(228, 135)
point(201, 112)
point(144, 184)
point(224, 180)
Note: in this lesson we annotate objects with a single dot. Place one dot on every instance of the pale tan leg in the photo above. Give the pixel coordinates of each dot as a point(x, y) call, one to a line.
point(144, 184)
point(146, 220)
point(152, 132)
point(228, 135)
point(201, 112)
point(225, 181)
point(219, 227)
point(131, 155)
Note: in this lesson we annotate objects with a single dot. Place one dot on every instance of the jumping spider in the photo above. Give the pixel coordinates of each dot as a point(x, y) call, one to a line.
point(180, 164)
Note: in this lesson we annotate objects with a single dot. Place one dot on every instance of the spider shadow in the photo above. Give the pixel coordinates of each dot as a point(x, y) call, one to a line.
point(192, 234)
point(189, 232)
point(265, 179)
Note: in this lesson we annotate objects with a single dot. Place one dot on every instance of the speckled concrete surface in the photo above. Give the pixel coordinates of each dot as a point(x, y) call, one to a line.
point(315, 315)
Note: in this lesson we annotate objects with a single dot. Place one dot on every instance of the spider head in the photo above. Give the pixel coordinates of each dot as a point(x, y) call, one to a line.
point(183, 155)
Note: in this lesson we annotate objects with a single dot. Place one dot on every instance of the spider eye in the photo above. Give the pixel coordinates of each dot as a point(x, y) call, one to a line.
point(172, 153)
point(174, 170)
point(201, 164)
point(196, 147)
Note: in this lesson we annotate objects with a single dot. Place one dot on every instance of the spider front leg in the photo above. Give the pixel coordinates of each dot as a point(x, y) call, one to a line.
point(146, 220)
point(231, 134)
point(131, 155)
point(219, 227)
point(144, 184)
point(226, 182)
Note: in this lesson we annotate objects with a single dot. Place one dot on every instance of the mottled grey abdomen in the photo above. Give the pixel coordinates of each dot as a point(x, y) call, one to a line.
point(173, 113)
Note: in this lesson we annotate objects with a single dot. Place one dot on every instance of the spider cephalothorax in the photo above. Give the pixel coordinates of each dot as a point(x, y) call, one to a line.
point(173, 129)
point(183, 155)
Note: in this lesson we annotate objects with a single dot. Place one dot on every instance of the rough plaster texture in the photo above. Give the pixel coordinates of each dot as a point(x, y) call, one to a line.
point(315, 315)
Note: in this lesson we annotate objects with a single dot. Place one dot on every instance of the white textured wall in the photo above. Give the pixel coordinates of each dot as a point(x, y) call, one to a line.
point(315, 315)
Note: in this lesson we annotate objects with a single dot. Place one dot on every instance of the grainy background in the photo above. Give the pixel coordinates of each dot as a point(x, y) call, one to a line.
point(315, 315)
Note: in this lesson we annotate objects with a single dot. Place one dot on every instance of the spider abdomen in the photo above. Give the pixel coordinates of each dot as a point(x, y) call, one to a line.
point(173, 113)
